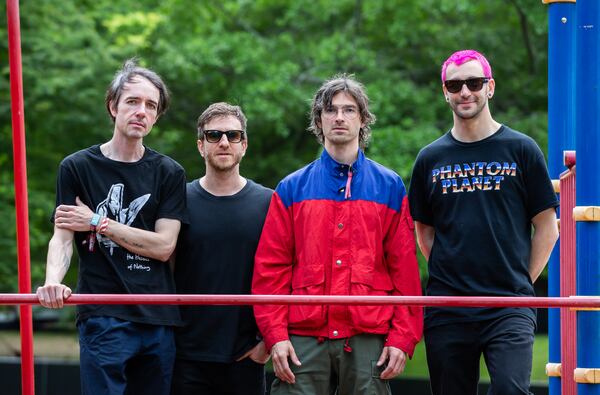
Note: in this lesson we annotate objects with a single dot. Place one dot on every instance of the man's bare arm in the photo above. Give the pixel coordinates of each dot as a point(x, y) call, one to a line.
point(159, 244)
point(425, 236)
point(60, 250)
point(542, 242)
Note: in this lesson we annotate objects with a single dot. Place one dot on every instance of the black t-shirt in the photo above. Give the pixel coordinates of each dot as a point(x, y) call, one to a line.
point(136, 194)
point(215, 255)
point(480, 198)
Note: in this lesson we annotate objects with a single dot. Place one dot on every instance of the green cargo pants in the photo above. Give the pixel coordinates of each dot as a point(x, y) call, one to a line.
point(342, 367)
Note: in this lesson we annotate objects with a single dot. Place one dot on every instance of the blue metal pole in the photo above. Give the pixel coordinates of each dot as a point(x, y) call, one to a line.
point(561, 137)
point(588, 183)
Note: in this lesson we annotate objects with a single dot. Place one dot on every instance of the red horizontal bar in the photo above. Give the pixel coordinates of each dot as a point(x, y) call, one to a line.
point(440, 301)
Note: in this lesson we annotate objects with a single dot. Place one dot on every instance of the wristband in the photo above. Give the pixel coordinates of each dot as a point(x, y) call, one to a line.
point(94, 221)
point(92, 237)
point(103, 225)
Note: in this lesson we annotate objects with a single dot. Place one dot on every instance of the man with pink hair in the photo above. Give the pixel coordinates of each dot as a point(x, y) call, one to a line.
point(474, 194)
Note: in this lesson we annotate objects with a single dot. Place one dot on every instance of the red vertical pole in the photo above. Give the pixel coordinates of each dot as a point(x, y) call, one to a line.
point(21, 202)
point(568, 272)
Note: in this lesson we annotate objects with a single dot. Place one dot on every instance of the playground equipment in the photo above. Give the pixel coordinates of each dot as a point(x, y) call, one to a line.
point(573, 75)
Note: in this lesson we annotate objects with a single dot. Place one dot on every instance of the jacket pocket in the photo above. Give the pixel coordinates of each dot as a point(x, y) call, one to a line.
point(308, 280)
point(371, 318)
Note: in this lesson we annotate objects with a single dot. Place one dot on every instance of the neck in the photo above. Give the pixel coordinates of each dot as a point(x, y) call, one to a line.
point(223, 183)
point(123, 151)
point(474, 129)
point(343, 153)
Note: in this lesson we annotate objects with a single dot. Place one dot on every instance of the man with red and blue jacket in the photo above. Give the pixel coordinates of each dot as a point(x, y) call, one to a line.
point(339, 226)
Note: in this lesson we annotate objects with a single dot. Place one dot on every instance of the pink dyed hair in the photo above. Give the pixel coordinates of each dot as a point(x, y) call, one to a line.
point(463, 56)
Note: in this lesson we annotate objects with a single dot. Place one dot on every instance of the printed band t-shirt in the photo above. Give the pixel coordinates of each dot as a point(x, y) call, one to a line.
point(480, 197)
point(135, 194)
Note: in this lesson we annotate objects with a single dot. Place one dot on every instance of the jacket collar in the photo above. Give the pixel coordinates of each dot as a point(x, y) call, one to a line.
point(334, 167)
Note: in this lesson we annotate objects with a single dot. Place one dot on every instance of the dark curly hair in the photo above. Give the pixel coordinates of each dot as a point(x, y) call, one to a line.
point(322, 99)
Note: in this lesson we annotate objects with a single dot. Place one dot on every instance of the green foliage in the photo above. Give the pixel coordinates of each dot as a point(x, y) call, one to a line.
point(268, 56)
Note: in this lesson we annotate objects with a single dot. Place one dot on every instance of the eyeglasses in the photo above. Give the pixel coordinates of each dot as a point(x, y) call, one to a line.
point(233, 136)
point(348, 112)
point(473, 84)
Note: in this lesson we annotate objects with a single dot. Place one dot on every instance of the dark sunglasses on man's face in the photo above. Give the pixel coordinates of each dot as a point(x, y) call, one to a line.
point(233, 136)
point(474, 84)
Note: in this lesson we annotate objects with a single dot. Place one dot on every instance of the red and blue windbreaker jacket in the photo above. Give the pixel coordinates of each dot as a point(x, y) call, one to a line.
point(335, 229)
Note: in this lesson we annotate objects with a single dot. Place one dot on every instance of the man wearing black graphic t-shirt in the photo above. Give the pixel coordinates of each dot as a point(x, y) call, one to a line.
point(474, 195)
point(121, 204)
point(219, 351)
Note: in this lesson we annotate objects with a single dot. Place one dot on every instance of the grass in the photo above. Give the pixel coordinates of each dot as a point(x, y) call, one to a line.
point(58, 345)
point(63, 345)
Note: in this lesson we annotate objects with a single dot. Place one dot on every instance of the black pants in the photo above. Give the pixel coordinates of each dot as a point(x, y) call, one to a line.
point(454, 351)
point(245, 377)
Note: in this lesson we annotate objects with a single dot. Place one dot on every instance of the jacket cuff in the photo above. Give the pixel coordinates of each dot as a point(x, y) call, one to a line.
point(403, 344)
point(275, 337)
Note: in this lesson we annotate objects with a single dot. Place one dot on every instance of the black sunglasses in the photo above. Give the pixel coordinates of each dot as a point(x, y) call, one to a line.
point(233, 136)
point(473, 84)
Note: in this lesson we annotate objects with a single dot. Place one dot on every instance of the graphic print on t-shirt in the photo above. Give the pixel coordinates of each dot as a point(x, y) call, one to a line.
point(112, 207)
point(470, 177)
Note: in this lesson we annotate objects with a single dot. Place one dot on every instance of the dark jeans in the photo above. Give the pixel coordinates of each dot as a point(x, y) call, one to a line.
point(454, 351)
point(121, 357)
point(245, 377)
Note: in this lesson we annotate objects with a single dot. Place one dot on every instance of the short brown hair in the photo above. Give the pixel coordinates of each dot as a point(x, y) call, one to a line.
point(218, 110)
point(128, 72)
point(322, 99)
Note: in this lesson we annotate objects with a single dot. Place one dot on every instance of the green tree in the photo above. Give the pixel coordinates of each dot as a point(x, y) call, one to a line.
point(268, 56)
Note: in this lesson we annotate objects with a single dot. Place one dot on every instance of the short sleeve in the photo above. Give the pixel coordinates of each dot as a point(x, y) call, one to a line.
point(173, 196)
point(420, 208)
point(540, 192)
point(66, 186)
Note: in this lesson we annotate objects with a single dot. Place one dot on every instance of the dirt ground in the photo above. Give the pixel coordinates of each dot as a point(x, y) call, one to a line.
point(58, 345)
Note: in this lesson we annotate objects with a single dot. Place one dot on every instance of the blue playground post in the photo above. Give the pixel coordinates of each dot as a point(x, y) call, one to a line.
point(561, 137)
point(588, 191)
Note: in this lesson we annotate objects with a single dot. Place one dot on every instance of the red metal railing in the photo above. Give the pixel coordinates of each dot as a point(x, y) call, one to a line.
point(440, 301)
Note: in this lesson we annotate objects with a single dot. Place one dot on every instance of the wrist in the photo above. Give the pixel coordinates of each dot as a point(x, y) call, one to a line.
point(103, 225)
point(94, 222)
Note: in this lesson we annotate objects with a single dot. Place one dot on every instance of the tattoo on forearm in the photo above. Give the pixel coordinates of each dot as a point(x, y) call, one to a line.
point(131, 243)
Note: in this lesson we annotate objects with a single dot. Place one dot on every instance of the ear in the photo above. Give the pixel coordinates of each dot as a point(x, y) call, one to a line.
point(445, 92)
point(244, 146)
point(200, 144)
point(491, 88)
point(113, 109)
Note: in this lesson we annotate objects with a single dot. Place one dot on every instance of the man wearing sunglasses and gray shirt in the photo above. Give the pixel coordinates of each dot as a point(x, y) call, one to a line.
point(474, 195)
point(219, 350)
